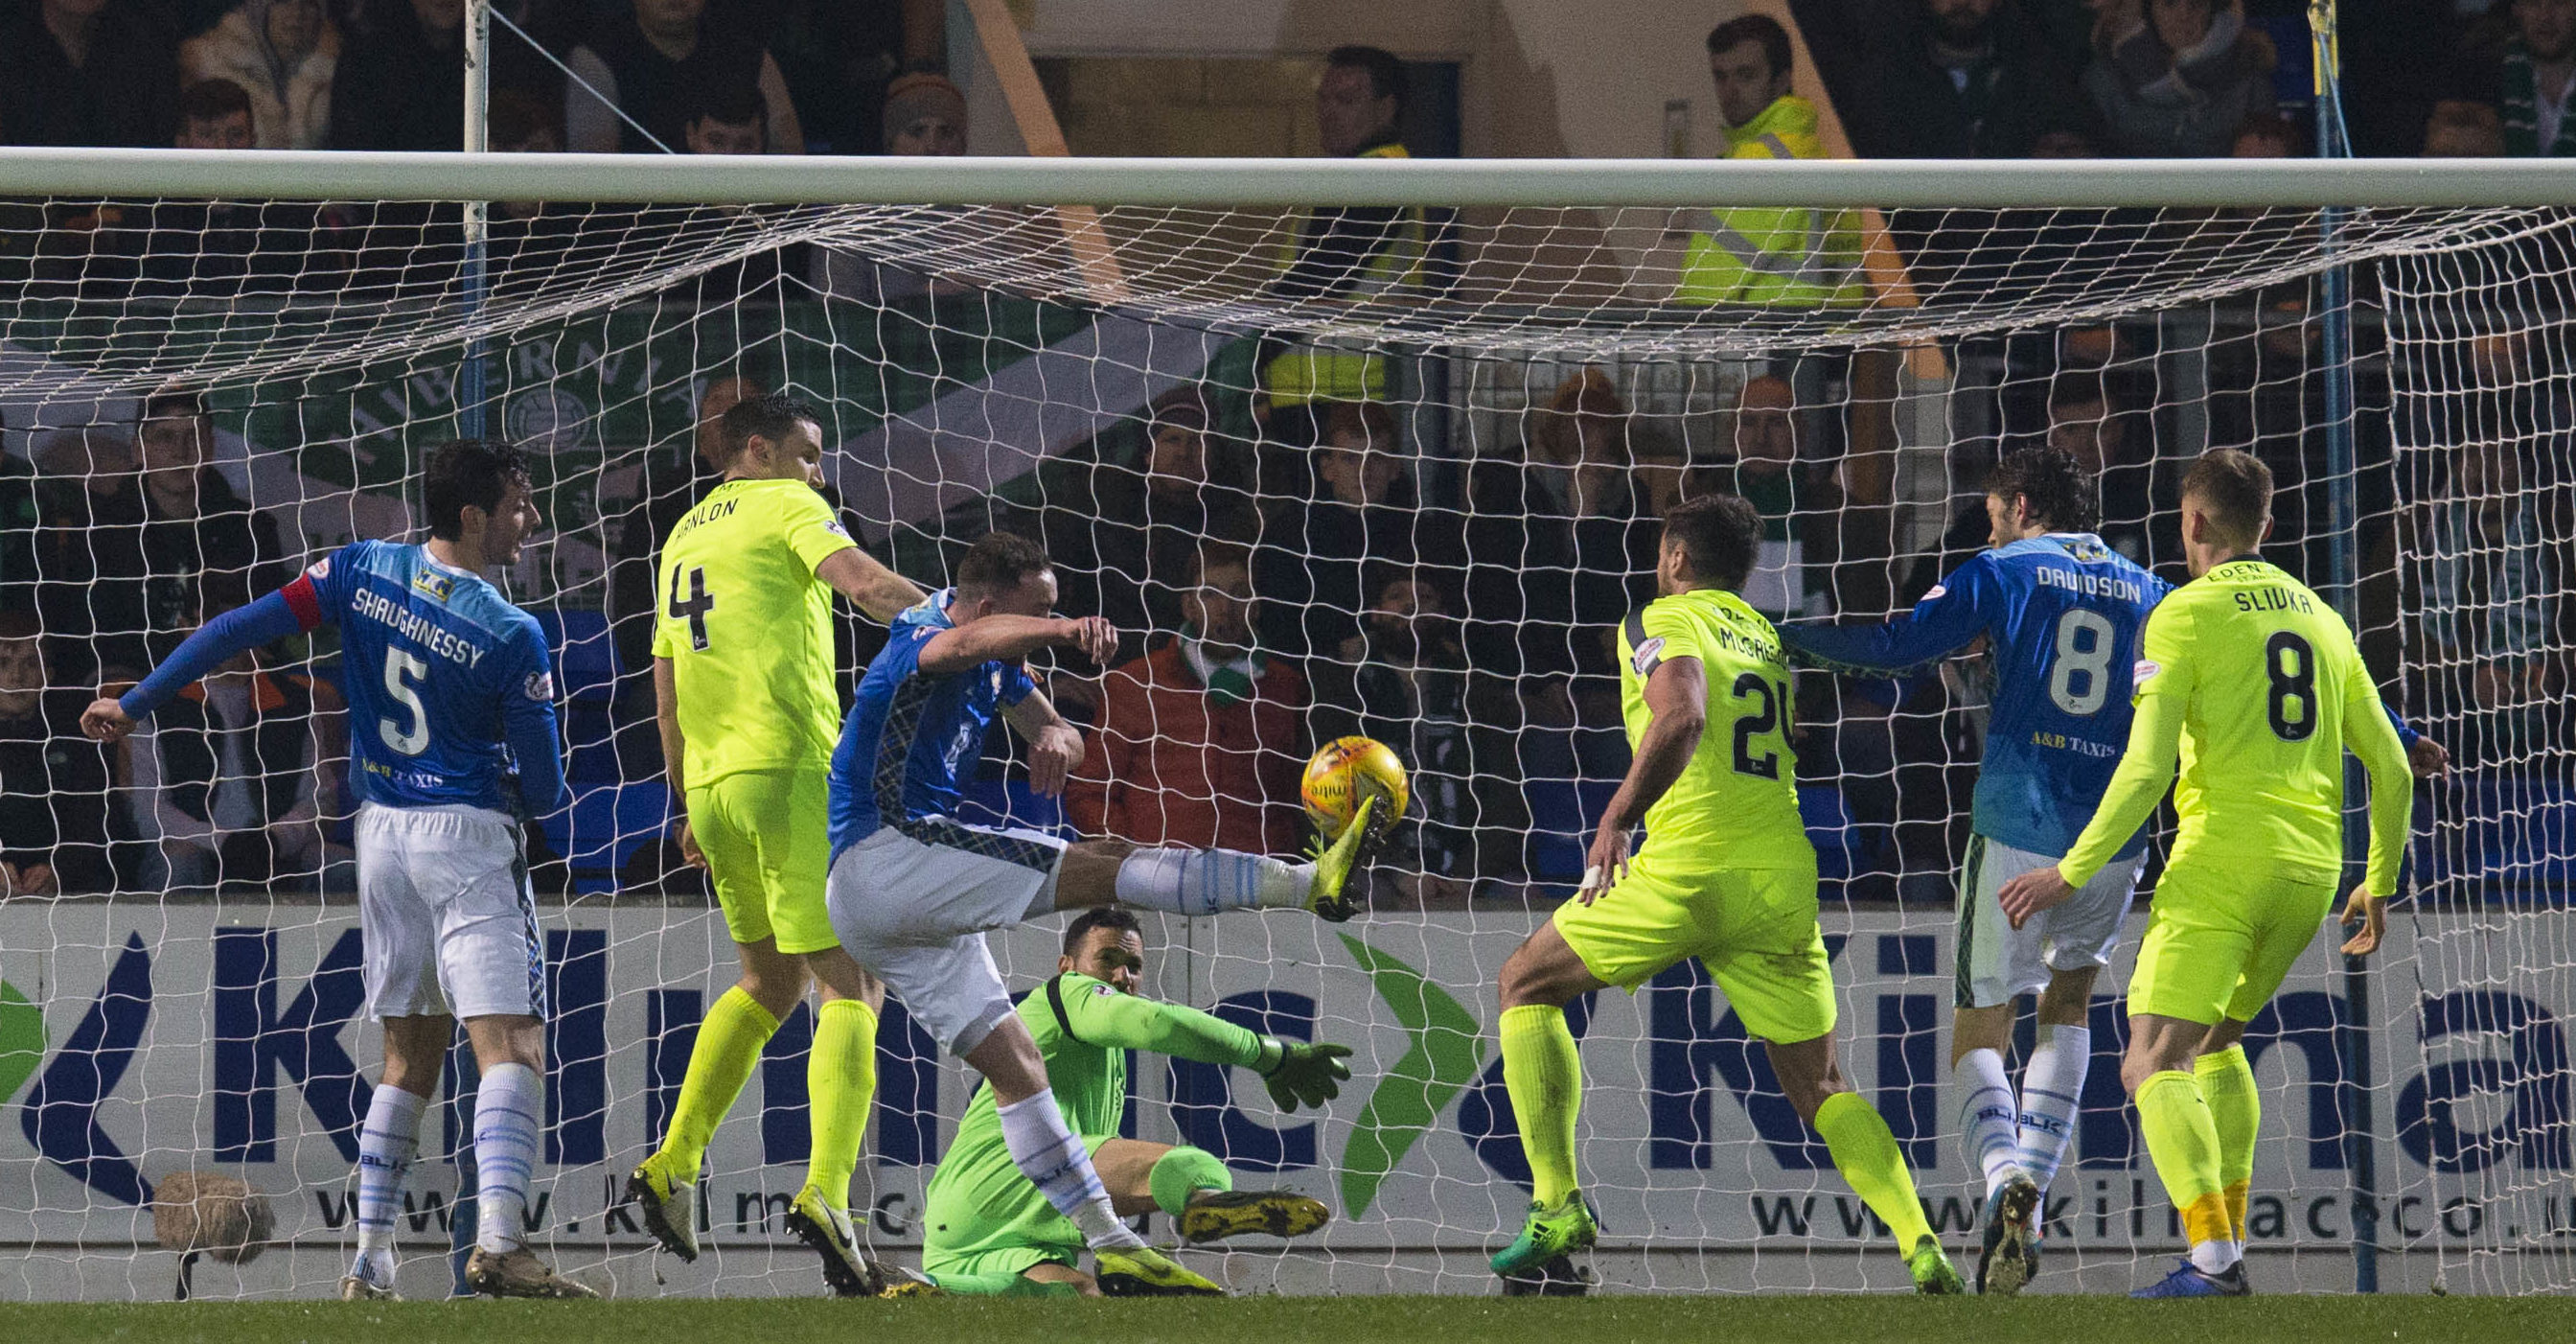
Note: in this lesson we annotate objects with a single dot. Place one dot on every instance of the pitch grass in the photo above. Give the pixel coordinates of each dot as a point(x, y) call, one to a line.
point(1308, 1320)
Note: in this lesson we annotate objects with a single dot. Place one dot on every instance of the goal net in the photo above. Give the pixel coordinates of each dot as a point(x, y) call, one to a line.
point(1431, 444)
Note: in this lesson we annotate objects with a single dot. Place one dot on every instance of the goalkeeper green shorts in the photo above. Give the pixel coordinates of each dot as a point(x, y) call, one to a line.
point(1754, 928)
point(767, 835)
point(984, 1217)
point(2218, 944)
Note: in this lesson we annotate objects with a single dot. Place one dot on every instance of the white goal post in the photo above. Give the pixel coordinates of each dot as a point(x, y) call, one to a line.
point(1437, 553)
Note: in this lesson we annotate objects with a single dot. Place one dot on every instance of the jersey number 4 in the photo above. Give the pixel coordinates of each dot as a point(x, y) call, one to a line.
point(695, 608)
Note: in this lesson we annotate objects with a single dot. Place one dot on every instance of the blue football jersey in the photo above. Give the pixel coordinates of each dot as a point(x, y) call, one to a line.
point(2061, 614)
point(443, 677)
point(908, 736)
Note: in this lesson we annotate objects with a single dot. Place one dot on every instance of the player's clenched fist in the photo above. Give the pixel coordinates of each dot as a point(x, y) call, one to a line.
point(105, 720)
point(1093, 635)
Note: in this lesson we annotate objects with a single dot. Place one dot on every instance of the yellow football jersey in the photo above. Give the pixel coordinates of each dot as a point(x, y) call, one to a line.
point(748, 628)
point(2256, 686)
point(1736, 803)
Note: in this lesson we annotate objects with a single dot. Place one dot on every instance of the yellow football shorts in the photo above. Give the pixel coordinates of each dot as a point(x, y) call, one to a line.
point(2218, 944)
point(767, 836)
point(1754, 928)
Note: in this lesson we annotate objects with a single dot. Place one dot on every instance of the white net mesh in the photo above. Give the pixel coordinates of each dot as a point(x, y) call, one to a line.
point(1439, 543)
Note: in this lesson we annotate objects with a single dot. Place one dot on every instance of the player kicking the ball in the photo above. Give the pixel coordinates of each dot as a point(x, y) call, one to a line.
point(912, 890)
point(988, 1231)
point(744, 691)
point(449, 688)
point(2060, 613)
point(2258, 687)
point(1727, 875)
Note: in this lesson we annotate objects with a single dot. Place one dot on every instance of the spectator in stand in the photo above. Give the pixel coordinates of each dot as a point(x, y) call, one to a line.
point(2267, 135)
point(401, 80)
point(1344, 252)
point(1961, 79)
point(1405, 680)
point(2462, 130)
point(53, 781)
point(2084, 419)
point(2528, 81)
point(230, 775)
point(659, 62)
point(728, 119)
point(192, 535)
point(1317, 543)
point(924, 115)
point(282, 54)
point(1559, 534)
point(89, 72)
point(208, 248)
point(2173, 79)
point(1126, 541)
point(1784, 256)
point(529, 239)
point(1199, 742)
point(89, 533)
point(2489, 558)
point(1789, 493)
point(837, 57)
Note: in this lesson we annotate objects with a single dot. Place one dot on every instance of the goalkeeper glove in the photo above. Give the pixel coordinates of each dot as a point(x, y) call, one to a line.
point(1299, 1074)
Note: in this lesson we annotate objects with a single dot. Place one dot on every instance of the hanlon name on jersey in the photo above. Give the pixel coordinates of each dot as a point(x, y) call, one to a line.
point(2274, 599)
point(707, 513)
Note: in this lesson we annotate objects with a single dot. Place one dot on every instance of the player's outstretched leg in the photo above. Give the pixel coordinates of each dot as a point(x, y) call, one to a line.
point(1865, 1151)
point(1212, 881)
point(1193, 1189)
point(664, 1186)
point(1543, 1074)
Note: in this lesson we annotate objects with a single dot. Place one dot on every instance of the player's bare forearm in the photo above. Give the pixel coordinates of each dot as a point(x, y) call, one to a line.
point(666, 718)
point(1011, 638)
point(873, 588)
point(1055, 747)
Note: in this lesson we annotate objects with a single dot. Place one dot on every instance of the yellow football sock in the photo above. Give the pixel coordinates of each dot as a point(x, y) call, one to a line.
point(2236, 1110)
point(1866, 1153)
point(841, 1080)
point(1544, 1075)
point(729, 1042)
point(2182, 1138)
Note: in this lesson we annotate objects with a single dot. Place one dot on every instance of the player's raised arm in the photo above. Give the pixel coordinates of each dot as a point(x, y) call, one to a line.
point(1298, 1073)
point(873, 588)
point(290, 610)
point(1009, 638)
point(2164, 681)
point(1948, 619)
point(1677, 703)
point(2368, 735)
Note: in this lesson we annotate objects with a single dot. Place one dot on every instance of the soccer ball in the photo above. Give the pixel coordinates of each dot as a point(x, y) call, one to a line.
point(1345, 773)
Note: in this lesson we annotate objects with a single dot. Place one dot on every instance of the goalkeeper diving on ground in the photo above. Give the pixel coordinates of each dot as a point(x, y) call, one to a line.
point(988, 1231)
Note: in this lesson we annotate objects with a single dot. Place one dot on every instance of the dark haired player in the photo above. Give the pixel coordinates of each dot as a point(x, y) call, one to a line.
point(451, 744)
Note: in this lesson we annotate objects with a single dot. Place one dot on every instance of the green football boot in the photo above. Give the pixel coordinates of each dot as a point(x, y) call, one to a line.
point(1549, 1233)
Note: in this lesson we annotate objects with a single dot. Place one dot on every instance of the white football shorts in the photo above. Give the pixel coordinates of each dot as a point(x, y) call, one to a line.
point(912, 905)
point(1997, 962)
point(449, 919)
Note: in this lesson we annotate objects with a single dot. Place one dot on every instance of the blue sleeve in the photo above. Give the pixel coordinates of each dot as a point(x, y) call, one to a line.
point(1956, 611)
point(2406, 737)
point(1016, 685)
point(265, 621)
point(528, 725)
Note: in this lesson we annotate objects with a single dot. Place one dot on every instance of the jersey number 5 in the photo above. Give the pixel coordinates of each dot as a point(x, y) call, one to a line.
point(694, 610)
point(1751, 686)
point(2292, 668)
point(401, 670)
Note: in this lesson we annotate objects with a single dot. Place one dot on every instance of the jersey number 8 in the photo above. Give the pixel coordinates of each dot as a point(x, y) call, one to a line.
point(2291, 666)
point(2075, 659)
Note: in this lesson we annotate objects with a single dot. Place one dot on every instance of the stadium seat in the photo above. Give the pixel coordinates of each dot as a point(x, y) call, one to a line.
point(603, 828)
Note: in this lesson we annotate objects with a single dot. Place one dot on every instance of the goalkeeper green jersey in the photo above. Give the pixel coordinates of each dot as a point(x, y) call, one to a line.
point(978, 1204)
point(748, 629)
point(2255, 685)
point(1736, 803)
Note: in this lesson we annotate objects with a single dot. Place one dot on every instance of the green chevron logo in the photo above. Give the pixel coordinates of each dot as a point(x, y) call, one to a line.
point(22, 1039)
point(1448, 1050)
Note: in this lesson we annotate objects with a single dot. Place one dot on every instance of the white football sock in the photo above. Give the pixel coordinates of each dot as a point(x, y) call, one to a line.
point(387, 1143)
point(2214, 1257)
point(1208, 881)
point(1987, 1116)
point(2052, 1092)
point(508, 1111)
point(1060, 1167)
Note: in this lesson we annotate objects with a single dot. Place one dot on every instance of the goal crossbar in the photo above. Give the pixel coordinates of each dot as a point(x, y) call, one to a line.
point(2175, 183)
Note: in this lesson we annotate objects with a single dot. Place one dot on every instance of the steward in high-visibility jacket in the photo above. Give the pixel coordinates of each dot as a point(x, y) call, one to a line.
point(1352, 253)
point(1792, 257)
